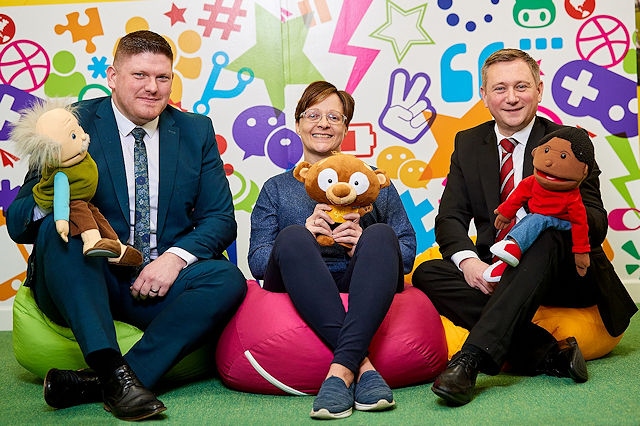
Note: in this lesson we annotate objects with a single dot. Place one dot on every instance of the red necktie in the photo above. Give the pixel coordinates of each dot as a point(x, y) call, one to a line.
point(506, 178)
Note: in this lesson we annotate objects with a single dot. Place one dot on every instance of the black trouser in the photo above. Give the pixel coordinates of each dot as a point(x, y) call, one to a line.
point(500, 324)
point(372, 278)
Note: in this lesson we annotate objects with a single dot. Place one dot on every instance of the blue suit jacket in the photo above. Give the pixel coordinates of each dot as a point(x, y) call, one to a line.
point(195, 207)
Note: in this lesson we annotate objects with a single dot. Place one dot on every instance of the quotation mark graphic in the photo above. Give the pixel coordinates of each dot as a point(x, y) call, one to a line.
point(228, 25)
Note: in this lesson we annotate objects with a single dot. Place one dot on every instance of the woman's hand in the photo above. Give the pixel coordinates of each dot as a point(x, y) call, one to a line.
point(349, 231)
point(319, 222)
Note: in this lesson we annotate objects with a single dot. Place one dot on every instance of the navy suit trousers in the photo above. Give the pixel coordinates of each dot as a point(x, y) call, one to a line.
point(86, 294)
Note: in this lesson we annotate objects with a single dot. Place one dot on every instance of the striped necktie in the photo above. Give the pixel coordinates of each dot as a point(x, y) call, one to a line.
point(506, 178)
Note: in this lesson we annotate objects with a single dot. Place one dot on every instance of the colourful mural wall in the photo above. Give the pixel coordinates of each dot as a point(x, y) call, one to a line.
point(412, 66)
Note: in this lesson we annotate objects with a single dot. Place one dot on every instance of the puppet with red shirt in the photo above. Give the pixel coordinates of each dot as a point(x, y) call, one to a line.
point(560, 163)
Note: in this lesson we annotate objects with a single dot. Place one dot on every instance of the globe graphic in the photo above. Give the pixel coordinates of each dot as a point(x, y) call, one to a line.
point(24, 64)
point(603, 40)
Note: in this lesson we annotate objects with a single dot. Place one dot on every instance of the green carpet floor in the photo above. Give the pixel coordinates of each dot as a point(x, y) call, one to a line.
point(610, 397)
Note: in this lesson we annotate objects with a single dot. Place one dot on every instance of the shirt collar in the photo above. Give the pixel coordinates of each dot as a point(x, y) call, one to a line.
point(125, 126)
point(521, 136)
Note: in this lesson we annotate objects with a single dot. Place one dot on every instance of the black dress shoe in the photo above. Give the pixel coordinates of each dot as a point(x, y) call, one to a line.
point(566, 360)
point(66, 388)
point(127, 399)
point(457, 383)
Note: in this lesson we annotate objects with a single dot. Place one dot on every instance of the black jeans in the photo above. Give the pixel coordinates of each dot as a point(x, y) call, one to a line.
point(372, 278)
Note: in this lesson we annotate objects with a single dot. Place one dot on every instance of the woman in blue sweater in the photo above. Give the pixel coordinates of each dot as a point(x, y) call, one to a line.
point(284, 254)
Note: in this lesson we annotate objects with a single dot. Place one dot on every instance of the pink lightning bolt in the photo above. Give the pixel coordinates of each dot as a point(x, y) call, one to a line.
point(350, 17)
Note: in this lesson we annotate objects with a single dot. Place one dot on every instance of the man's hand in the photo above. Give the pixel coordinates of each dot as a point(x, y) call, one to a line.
point(582, 263)
point(157, 277)
point(472, 268)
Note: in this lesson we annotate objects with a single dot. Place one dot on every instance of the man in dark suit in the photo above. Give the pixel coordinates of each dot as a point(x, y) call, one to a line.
point(188, 289)
point(498, 314)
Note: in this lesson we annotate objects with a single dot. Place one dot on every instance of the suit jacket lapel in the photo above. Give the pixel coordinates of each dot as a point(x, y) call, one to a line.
point(537, 132)
point(488, 160)
point(169, 149)
point(110, 144)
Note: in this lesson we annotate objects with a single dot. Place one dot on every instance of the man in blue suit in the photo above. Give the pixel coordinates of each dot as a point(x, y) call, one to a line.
point(188, 290)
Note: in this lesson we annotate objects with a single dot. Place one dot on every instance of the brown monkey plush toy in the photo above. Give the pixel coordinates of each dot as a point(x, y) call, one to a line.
point(344, 182)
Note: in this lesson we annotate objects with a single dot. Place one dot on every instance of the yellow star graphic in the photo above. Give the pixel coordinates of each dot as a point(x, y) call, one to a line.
point(444, 129)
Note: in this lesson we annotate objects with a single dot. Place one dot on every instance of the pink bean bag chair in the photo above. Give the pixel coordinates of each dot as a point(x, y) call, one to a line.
point(267, 348)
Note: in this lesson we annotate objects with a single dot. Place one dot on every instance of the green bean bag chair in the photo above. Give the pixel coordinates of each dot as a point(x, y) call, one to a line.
point(39, 344)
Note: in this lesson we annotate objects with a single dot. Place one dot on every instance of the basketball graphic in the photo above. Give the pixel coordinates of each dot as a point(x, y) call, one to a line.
point(24, 64)
point(603, 40)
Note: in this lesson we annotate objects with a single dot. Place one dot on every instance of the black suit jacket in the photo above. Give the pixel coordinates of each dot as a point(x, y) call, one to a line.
point(473, 193)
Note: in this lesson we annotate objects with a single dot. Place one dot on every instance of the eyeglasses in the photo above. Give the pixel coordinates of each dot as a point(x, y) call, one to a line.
point(333, 117)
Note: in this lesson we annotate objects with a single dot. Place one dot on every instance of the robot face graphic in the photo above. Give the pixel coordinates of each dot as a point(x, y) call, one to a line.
point(534, 13)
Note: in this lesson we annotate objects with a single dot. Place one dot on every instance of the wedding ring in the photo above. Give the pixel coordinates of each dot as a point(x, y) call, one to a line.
point(153, 291)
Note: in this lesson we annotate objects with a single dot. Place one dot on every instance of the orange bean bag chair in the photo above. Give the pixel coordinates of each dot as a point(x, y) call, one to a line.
point(584, 324)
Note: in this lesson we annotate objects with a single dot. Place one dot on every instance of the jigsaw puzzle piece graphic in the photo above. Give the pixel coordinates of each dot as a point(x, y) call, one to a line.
point(83, 32)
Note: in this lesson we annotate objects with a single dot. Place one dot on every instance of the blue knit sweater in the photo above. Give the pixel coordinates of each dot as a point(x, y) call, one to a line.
point(283, 201)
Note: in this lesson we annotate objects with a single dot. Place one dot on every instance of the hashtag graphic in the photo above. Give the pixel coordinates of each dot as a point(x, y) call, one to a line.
point(215, 11)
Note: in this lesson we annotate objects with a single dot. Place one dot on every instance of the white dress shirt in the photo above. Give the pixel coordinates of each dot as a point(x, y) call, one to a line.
point(520, 138)
point(152, 144)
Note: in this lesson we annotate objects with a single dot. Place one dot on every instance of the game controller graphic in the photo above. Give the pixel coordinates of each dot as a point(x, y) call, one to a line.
point(581, 88)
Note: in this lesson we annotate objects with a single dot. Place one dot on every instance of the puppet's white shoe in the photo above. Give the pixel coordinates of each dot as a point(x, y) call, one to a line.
point(508, 251)
point(494, 272)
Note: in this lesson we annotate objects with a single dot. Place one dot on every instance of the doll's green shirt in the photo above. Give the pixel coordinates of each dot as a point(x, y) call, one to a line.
point(83, 181)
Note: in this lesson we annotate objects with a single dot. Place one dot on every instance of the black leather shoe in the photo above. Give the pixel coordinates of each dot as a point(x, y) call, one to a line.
point(567, 361)
point(127, 399)
point(457, 383)
point(66, 388)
